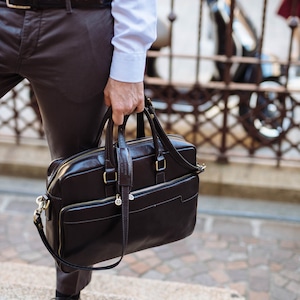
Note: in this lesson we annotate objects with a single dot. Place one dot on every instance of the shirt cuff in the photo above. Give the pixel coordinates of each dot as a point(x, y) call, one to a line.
point(128, 67)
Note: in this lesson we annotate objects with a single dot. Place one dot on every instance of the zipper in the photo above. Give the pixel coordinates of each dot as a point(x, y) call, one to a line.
point(112, 199)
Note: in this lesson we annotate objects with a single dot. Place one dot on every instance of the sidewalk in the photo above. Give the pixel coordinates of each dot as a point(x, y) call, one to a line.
point(257, 257)
point(250, 180)
point(240, 243)
point(30, 284)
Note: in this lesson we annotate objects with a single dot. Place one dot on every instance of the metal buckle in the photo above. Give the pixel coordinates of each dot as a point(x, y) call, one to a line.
point(43, 203)
point(17, 6)
point(160, 168)
point(109, 180)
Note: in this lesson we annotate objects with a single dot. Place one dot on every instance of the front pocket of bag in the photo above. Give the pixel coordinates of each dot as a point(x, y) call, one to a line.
point(91, 232)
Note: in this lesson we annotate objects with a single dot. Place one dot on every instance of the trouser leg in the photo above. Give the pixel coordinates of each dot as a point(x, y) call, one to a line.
point(66, 58)
point(72, 283)
point(72, 66)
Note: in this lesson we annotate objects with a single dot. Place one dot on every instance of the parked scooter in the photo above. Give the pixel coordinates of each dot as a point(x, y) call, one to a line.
point(266, 116)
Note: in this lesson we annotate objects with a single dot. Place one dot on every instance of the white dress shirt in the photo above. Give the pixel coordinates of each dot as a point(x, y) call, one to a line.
point(134, 32)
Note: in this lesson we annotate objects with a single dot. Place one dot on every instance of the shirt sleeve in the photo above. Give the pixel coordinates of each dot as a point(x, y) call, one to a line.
point(134, 32)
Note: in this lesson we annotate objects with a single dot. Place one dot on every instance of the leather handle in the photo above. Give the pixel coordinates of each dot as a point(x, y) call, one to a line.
point(110, 165)
point(157, 131)
point(124, 163)
point(124, 183)
point(169, 146)
point(39, 225)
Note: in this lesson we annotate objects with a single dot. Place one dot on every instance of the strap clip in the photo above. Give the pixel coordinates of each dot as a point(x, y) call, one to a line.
point(43, 203)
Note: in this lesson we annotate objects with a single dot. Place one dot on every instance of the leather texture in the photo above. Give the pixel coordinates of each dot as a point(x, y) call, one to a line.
point(154, 178)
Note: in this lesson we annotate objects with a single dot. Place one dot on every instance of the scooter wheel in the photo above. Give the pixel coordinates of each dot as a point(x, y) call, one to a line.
point(266, 116)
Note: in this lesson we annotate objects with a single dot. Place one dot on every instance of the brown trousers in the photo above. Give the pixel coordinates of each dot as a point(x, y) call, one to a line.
point(66, 57)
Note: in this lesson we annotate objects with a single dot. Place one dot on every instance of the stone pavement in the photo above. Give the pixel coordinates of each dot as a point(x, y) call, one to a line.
point(250, 246)
point(31, 282)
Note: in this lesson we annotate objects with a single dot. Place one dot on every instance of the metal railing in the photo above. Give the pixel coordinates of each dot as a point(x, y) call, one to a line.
point(205, 88)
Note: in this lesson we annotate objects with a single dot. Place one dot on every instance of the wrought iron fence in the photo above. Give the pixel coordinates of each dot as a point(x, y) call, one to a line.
point(212, 79)
point(20, 118)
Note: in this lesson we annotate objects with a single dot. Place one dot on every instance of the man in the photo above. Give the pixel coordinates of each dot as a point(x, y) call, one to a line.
point(78, 56)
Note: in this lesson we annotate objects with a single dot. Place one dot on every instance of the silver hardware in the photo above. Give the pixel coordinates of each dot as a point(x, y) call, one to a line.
point(201, 167)
point(158, 168)
point(118, 200)
point(43, 203)
point(17, 6)
point(105, 179)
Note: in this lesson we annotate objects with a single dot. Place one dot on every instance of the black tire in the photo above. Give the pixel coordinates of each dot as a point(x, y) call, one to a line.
point(266, 116)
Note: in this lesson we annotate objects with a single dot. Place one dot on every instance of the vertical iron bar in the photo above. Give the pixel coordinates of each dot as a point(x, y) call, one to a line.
point(16, 118)
point(227, 79)
point(172, 18)
point(198, 42)
point(196, 113)
point(293, 23)
point(260, 43)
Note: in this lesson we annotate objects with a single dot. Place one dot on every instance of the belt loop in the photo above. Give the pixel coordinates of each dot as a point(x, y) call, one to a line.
point(68, 6)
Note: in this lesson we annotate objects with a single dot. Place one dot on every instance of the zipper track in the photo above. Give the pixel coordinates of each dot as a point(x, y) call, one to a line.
point(135, 193)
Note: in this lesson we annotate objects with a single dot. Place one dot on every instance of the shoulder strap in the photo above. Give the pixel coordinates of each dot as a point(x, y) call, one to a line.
point(37, 220)
point(124, 183)
point(124, 186)
point(167, 143)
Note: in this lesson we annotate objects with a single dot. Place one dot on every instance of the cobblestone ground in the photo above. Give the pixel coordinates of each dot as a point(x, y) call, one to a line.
point(259, 258)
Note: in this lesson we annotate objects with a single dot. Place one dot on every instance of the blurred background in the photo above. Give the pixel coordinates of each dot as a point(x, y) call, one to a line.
point(226, 76)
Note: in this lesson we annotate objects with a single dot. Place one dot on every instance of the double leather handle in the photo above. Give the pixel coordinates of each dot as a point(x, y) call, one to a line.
point(110, 164)
point(122, 172)
point(124, 183)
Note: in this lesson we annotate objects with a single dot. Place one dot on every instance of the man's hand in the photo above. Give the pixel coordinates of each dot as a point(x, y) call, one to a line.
point(124, 98)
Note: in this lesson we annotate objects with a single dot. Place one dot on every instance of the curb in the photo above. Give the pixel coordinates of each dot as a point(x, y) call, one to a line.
point(254, 181)
point(29, 282)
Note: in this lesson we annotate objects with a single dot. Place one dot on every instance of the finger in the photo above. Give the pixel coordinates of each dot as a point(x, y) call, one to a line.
point(118, 118)
point(107, 100)
point(140, 107)
point(140, 104)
